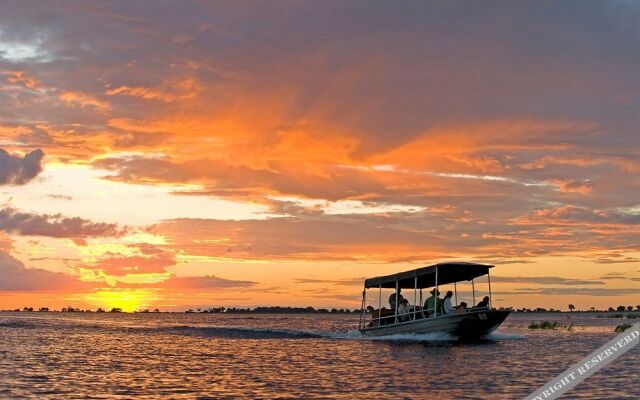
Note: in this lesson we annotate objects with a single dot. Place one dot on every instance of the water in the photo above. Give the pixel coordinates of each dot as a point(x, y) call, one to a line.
point(187, 356)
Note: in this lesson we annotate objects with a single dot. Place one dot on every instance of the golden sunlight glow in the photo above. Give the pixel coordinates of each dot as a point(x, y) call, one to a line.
point(186, 258)
point(144, 237)
point(127, 300)
point(94, 250)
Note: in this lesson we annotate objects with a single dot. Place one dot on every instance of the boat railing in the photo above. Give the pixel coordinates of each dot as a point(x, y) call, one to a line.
point(396, 319)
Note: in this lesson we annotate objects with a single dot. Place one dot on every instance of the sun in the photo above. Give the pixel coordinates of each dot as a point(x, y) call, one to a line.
point(128, 300)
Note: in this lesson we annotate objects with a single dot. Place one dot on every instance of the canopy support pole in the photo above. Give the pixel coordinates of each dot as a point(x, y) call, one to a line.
point(415, 296)
point(473, 288)
point(380, 301)
point(455, 291)
point(397, 301)
point(362, 308)
point(489, 280)
point(435, 296)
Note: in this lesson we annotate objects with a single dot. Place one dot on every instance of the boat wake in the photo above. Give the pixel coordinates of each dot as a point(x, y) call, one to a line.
point(266, 333)
point(269, 333)
point(241, 332)
point(424, 337)
point(236, 332)
point(399, 337)
point(499, 335)
point(17, 324)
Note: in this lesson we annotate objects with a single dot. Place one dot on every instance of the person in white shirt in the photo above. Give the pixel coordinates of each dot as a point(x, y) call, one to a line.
point(448, 307)
point(404, 310)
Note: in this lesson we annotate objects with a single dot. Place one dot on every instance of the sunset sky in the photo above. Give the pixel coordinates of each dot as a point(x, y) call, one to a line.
point(174, 155)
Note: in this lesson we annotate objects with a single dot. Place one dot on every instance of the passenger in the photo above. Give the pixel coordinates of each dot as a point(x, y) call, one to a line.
point(461, 308)
point(404, 310)
point(392, 300)
point(484, 303)
point(432, 302)
point(447, 306)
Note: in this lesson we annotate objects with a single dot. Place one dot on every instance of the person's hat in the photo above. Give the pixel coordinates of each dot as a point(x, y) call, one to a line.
point(434, 291)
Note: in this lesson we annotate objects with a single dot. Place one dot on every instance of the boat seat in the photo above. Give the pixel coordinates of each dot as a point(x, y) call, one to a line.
point(385, 314)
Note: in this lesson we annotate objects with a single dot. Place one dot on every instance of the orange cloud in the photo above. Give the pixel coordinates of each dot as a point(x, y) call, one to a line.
point(182, 90)
point(571, 186)
point(458, 147)
point(83, 100)
point(18, 278)
point(21, 78)
point(151, 260)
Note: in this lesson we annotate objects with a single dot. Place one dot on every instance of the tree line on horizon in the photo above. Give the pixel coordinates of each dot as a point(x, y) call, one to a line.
point(68, 309)
point(297, 310)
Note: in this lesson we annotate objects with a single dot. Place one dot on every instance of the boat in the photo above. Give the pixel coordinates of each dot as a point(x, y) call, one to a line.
point(464, 323)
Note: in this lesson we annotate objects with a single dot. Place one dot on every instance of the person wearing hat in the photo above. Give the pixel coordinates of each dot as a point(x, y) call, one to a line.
point(394, 299)
point(433, 302)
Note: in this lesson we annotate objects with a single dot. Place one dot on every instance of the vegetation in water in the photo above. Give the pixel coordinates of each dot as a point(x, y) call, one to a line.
point(620, 316)
point(622, 328)
point(551, 325)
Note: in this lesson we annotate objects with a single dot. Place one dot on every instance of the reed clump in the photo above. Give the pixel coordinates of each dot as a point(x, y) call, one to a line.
point(622, 328)
point(551, 325)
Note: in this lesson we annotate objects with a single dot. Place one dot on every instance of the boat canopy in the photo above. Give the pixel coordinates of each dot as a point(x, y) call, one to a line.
point(447, 273)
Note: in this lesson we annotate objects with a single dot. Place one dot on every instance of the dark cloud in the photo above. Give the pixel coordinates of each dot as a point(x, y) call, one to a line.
point(334, 297)
point(393, 237)
point(564, 291)
point(497, 261)
point(616, 259)
point(337, 282)
point(327, 237)
point(574, 60)
point(199, 283)
point(225, 179)
point(58, 226)
point(546, 280)
point(207, 282)
point(15, 277)
point(16, 170)
point(614, 275)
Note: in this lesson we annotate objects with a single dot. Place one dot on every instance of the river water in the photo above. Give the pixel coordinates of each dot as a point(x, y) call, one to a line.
point(210, 356)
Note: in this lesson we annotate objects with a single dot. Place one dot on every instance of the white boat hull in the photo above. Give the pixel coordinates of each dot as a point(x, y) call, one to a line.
point(472, 324)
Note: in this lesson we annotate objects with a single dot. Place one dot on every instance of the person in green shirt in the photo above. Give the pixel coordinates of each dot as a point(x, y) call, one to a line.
point(434, 301)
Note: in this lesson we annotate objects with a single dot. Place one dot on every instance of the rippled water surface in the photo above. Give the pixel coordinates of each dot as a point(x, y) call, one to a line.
point(187, 356)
